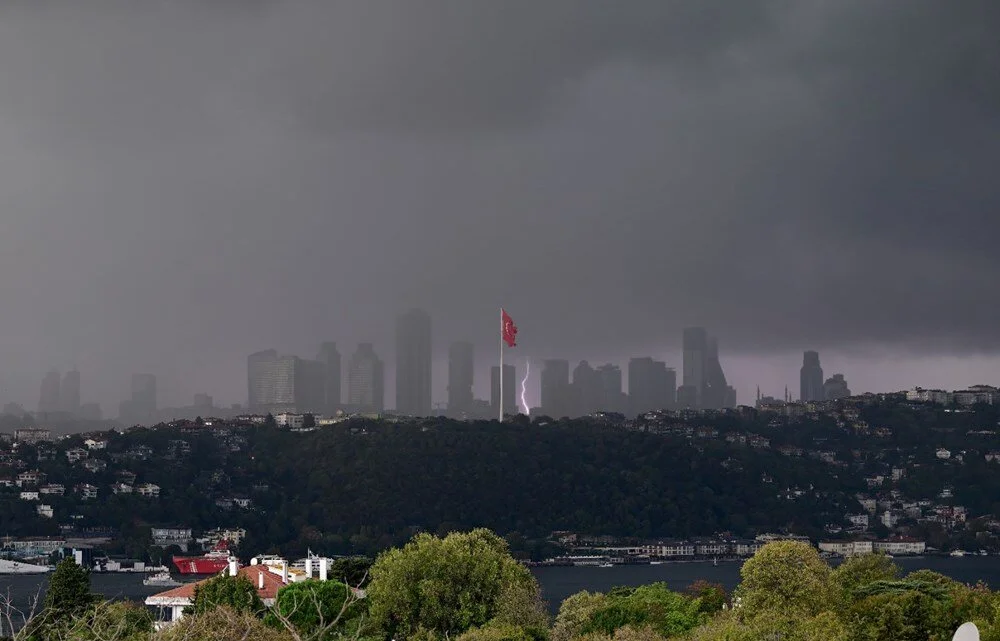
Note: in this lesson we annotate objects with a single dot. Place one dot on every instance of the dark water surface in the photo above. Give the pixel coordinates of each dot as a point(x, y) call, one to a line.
point(557, 582)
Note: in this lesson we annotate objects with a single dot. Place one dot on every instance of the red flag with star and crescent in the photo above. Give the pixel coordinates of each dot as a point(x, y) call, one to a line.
point(509, 329)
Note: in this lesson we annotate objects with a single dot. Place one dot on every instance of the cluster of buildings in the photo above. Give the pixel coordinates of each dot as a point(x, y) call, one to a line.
point(290, 384)
point(584, 550)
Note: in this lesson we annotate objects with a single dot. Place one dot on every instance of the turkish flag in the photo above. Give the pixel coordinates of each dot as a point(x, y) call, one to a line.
point(509, 329)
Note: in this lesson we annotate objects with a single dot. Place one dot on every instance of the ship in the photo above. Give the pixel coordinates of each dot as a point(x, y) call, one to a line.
point(162, 578)
point(211, 562)
point(16, 567)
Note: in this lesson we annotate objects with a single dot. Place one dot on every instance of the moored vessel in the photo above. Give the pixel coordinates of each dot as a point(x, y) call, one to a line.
point(17, 567)
point(209, 563)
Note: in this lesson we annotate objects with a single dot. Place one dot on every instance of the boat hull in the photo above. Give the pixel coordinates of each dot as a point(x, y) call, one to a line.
point(16, 567)
point(200, 564)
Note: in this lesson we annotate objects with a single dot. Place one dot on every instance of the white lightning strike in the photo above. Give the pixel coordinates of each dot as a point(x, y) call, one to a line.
point(524, 384)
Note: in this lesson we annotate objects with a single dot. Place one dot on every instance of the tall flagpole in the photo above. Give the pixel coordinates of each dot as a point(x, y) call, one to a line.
point(500, 403)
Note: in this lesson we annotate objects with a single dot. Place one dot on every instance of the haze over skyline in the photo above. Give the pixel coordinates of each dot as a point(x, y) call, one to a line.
point(188, 182)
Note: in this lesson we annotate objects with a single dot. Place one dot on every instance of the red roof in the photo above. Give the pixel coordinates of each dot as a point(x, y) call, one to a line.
point(272, 583)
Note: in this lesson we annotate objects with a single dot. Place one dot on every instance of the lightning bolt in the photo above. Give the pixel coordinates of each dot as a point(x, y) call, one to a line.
point(524, 384)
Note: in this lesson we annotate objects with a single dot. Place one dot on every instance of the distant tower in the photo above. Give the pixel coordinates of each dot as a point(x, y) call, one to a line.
point(509, 390)
point(609, 385)
point(555, 388)
point(811, 378)
point(330, 357)
point(69, 392)
point(585, 390)
point(260, 380)
point(695, 356)
point(651, 385)
point(461, 366)
point(48, 400)
point(413, 363)
point(365, 380)
point(836, 387)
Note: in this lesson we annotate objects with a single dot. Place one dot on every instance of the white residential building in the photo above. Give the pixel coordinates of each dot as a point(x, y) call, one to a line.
point(846, 548)
point(95, 444)
point(76, 454)
point(900, 545)
point(29, 496)
point(44, 511)
point(148, 490)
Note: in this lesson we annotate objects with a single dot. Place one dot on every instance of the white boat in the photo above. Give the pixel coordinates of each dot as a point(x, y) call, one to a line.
point(162, 579)
point(958, 553)
point(606, 565)
point(16, 567)
point(656, 562)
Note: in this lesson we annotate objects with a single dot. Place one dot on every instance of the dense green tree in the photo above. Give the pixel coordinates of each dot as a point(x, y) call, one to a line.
point(861, 570)
point(235, 592)
point(319, 610)
point(68, 593)
point(438, 588)
point(655, 606)
point(712, 596)
point(784, 576)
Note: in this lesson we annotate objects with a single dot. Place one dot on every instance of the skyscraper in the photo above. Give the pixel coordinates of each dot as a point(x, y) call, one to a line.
point(811, 378)
point(460, 378)
point(140, 409)
point(585, 390)
point(651, 385)
point(365, 380)
point(69, 392)
point(413, 363)
point(695, 352)
point(509, 392)
point(836, 387)
point(609, 389)
point(555, 388)
point(717, 393)
point(330, 357)
point(260, 373)
point(285, 383)
point(48, 399)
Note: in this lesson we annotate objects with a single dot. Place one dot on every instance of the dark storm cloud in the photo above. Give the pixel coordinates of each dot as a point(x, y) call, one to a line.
point(185, 182)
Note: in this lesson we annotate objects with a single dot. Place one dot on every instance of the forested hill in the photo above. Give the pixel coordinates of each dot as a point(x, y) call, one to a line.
point(387, 479)
point(364, 485)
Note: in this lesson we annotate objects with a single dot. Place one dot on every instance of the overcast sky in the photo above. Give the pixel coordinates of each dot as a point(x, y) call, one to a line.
point(187, 181)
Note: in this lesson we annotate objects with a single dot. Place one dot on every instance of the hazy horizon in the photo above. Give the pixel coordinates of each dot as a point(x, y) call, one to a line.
point(189, 182)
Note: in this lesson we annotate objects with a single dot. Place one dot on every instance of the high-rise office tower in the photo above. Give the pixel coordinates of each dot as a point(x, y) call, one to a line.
point(285, 383)
point(811, 378)
point(509, 392)
point(609, 385)
point(260, 379)
point(365, 380)
point(585, 390)
point(717, 394)
point(651, 385)
point(330, 357)
point(460, 378)
point(695, 377)
point(48, 399)
point(413, 363)
point(555, 388)
point(144, 392)
point(203, 402)
point(140, 409)
point(310, 386)
point(836, 387)
point(69, 392)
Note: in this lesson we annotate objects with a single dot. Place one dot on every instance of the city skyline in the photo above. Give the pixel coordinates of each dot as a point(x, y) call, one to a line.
point(481, 373)
point(785, 174)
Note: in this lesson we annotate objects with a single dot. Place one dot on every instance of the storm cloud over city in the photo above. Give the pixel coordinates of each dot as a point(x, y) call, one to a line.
point(186, 183)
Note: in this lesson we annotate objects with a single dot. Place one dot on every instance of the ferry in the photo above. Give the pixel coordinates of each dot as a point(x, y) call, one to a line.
point(210, 563)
